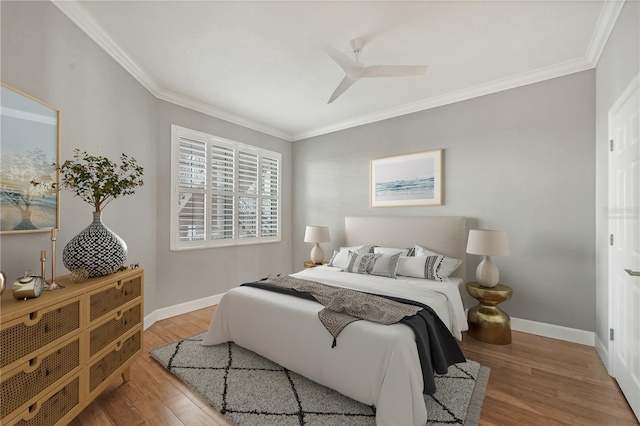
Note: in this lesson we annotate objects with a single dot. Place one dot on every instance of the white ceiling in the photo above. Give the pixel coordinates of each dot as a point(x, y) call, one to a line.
point(256, 63)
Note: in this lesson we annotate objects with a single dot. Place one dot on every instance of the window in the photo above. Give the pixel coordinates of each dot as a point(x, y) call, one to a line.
point(223, 192)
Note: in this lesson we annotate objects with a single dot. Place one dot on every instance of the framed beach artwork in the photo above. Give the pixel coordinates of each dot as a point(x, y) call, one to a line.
point(29, 145)
point(407, 180)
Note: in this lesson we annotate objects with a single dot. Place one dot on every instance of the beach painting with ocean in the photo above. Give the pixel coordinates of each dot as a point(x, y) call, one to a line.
point(407, 180)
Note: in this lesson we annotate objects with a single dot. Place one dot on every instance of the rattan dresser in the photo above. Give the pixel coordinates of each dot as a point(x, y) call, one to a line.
point(60, 351)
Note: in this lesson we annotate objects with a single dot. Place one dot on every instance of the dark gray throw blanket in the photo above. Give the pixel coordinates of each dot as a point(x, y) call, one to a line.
point(437, 348)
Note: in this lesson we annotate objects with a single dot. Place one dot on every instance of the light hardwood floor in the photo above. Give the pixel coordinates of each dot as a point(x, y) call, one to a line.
point(534, 381)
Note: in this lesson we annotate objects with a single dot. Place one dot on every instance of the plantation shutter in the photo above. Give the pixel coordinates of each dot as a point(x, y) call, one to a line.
point(192, 190)
point(269, 207)
point(223, 192)
point(247, 194)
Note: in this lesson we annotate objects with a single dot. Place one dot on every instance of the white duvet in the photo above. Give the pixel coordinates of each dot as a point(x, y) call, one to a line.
point(372, 363)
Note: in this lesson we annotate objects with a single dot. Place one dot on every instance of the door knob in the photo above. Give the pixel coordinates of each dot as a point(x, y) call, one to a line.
point(633, 273)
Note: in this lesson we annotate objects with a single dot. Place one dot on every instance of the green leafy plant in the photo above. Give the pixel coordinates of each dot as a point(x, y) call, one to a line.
point(98, 180)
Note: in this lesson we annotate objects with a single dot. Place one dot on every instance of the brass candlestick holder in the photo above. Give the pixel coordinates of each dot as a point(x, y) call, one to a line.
point(53, 285)
point(43, 261)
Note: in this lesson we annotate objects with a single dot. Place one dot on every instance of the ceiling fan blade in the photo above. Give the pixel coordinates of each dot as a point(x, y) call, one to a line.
point(349, 66)
point(342, 87)
point(394, 70)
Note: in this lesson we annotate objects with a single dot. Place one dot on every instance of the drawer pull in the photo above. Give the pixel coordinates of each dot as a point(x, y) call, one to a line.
point(119, 285)
point(34, 318)
point(34, 363)
point(119, 315)
point(32, 411)
point(119, 345)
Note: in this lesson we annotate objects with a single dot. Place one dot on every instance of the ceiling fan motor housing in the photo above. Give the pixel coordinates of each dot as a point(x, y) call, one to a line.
point(357, 44)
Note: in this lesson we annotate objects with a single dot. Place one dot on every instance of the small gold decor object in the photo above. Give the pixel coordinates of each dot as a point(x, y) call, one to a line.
point(27, 287)
point(79, 275)
point(3, 282)
point(43, 261)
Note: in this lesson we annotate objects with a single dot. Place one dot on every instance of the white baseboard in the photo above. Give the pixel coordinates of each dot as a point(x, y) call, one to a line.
point(554, 331)
point(150, 319)
point(182, 308)
point(603, 351)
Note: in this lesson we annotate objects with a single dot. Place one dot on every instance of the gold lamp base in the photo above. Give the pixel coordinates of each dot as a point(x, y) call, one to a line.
point(487, 322)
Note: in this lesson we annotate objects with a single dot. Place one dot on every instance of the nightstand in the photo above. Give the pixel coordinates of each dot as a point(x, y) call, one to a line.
point(310, 264)
point(487, 322)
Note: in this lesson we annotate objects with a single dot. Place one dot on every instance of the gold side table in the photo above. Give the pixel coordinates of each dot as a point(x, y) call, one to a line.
point(487, 322)
point(310, 264)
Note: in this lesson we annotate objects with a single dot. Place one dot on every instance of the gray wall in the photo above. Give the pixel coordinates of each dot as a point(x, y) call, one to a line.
point(104, 111)
point(194, 274)
point(520, 160)
point(618, 65)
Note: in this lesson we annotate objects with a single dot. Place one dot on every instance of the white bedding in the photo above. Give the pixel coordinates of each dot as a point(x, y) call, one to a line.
point(442, 296)
point(372, 363)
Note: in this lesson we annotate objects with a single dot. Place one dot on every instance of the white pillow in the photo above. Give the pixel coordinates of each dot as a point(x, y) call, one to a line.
point(362, 249)
point(385, 265)
point(339, 258)
point(360, 263)
point(444, 267)
point(390, 251)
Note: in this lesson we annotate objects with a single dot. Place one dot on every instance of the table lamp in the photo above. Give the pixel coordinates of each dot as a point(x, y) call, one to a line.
point(317, 234)
point(487, 243)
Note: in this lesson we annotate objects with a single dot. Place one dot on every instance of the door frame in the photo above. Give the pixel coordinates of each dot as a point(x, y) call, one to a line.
point(622, 99)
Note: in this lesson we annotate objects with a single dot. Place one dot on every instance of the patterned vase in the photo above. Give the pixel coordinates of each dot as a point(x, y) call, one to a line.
point(96, 249)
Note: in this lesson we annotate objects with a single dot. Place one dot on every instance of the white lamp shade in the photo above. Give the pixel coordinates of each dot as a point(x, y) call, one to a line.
point(487, 242)
point(317, 234)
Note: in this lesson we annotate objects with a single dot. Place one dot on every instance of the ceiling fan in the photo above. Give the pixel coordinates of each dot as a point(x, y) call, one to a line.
point(355, 70)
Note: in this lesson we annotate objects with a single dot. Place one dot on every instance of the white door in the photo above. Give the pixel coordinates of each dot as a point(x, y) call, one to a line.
point(624, 224)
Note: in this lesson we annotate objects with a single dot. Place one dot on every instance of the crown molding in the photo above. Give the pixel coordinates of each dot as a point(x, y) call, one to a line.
point(523, 79)
point(86, 23)
point(606, 21)
point(79, 16)
point(208, 109)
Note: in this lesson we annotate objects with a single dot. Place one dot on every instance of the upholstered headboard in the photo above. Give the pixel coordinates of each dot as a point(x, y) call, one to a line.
point(446, 235)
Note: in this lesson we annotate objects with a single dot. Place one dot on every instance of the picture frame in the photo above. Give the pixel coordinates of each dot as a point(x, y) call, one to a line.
point(407, 180)
point(29, 145)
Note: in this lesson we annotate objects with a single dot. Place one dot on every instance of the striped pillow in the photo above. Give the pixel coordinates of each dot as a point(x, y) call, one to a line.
point(443, 267)
point(419, 267)
point(359, 263)
point(340, 257)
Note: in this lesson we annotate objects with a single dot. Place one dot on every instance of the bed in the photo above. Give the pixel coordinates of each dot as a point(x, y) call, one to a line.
point(371, 363)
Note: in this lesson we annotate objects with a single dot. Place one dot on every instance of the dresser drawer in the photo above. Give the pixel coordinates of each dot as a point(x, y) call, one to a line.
point(25, 335)
point(107, 333)
point(114, 296)
point(34, 376)
point(52, 409)
point(112, 361)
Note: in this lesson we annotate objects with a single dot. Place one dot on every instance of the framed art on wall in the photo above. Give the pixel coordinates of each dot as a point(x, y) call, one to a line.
point(407, 180)
point(29, 145)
